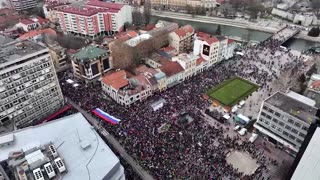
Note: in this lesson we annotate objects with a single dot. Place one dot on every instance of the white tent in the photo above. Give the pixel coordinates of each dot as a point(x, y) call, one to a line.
point(69, 81)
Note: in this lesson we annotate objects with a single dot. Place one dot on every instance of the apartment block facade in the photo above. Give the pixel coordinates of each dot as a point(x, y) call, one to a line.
point(182, 39)
point(285, 119)
point(20, 5)
point(95, 18)
point(29, 87)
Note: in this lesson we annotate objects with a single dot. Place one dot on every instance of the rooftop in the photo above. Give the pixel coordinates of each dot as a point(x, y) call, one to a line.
point(68, 136)
point(108, 5)
point(34, 33)
point(138, 39)
point(116, 79)
point(293, 107)
point(14, 50)
point(171, 68)
point(89, 53)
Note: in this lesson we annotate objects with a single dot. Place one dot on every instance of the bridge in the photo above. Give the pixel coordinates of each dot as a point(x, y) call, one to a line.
point(284, 34)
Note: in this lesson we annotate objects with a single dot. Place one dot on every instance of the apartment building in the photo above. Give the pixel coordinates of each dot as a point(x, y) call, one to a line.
point(181, 4)
point(95, 18)
point(20, 5)
point(207, 48)
point(126, 88)
point(58, 55)
point(182, 39)
point(188, 63)
point(90, 63)
point(29, 88)
point(285, 119)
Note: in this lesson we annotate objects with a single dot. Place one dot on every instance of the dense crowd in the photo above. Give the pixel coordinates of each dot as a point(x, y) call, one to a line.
point(197, 151)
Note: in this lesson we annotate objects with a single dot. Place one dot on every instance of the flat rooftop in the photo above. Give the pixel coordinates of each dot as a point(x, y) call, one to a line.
point(14, 50)
point(309, 164)
point(293, 107)
point(69, 135)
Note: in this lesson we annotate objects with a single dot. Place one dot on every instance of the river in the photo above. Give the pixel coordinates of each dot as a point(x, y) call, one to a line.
point(245, 34)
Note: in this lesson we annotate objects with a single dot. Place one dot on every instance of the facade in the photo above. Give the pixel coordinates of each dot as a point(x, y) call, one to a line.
point(223, 47)
point(313, 89)
point(50, 9)
point(182, 39)
point(231, 46)
point(67, 148)
point(181, 4)
point(95, 18)
point(285, 119)
point(174, 73)
point(90, 63)
point(126, 90)
point(29, 88)
point(207, 48)
point(188, 63)
point(31, 23)
point(20, 5)
point(58, 55)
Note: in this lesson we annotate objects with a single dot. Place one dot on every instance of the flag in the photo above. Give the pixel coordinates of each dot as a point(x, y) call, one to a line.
point(105, 116)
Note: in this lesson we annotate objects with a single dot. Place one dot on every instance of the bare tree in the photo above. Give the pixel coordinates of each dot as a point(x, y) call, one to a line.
point(137, 17)
point(315, 4)
point(147, 11)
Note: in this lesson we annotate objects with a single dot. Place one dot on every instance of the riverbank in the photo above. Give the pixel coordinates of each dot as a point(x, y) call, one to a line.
point(262, 26)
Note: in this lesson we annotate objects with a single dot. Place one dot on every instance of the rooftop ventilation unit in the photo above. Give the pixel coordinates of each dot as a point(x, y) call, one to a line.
point(49, 169)
point(60, 165)
point(38, 174)
point(53, 151)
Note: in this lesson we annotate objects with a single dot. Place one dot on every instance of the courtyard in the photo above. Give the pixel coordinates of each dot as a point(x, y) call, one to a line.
point(231, 91)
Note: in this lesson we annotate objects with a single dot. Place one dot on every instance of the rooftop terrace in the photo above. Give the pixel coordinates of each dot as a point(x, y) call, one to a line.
point(293, 107)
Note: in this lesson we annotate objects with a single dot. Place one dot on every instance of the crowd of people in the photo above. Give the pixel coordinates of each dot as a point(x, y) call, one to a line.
point(196, 151)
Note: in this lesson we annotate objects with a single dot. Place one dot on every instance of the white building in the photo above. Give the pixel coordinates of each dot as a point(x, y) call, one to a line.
point(181, 39)
point(96, 18)
point(20, 5)
point(188, 63)
point(77, 150)
point(285, 119)
point(208, 49)
point(29, 88)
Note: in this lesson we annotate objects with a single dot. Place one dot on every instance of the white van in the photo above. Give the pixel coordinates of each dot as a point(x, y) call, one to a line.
point(234, 109)
point(241, 103)
point(253, 137)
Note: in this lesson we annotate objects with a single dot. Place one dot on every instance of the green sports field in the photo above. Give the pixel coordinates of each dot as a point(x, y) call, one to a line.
point(231, 91)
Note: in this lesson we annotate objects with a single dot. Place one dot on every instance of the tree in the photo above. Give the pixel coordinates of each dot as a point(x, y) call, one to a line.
point(254, 8)
point(315, 4)
point(314, 32)
point(218, 31)
point(147, 11)
point(126, 26)
point(137, 18)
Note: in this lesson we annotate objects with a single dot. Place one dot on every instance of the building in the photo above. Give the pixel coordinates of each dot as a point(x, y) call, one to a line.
point(68, 148)
point(32, 23)
point(174, 73)
point(223, 47)
point(231, 46)
point(182, 4)
point(188, 63)
point(21, 5)
point(37, 35)
point(58, 55)
point(285, 119)
point(126, 88)
point(307, 160)
point(95, 18)
point(182, 39)
point(29, 87)
point(207, 48)
point(90, 63)
point(313, 89)
point(50, 9)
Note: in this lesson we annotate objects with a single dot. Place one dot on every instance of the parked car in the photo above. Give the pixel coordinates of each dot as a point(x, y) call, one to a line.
point(253, 137)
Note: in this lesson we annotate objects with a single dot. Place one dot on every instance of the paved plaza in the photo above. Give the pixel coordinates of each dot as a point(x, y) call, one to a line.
point(243, 162)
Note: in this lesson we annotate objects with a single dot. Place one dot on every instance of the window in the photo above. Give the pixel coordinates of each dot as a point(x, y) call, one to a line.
point(273, 126)
point(267, 122)
point(297, 124)
point(292, 137)
point(288, 127)
point(285, 133)
point(302, 135)
point(271, 111)
point(294, 131)
point(269, 117)
point(299, 141)
point(279, 129)
point(275, 120)
point(277, 114)
point(305, 128)
point(290, 121)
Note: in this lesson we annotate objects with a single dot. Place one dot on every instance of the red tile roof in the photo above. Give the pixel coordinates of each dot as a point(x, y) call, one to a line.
point(102, 4)
point(171, 68)
point(230, 41)
point(202, 35)
point(148, 27)
point(41, 20)
point(212, 40)
point(188, 28)
point(180, 32)
point(80, 11)
point(34, 33)
point(116, 80)
point(27, 21)
point(200, 61)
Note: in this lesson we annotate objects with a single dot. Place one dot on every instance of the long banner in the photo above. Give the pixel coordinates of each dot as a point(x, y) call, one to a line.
point(105, 116)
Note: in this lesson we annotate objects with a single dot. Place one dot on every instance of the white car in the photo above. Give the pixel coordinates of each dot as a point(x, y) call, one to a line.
point(242, 131)
point(234, 109)
point(237, 128)
point(241, 103)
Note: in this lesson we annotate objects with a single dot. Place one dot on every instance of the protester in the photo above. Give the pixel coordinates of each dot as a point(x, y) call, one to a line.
point(177, 153)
